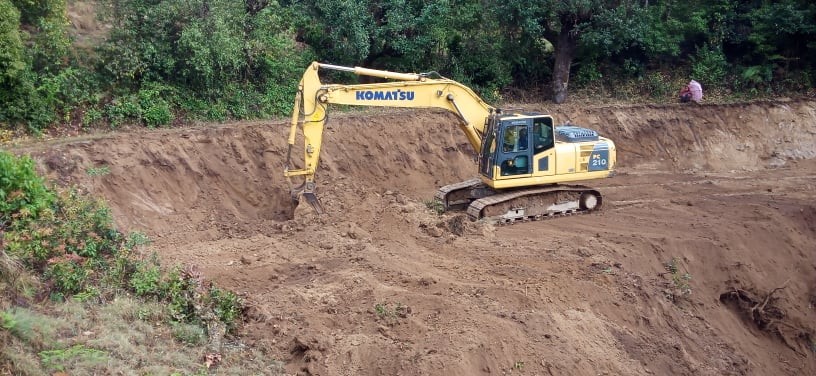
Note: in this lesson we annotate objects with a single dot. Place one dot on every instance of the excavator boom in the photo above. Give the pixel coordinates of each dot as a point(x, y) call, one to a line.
point(412, 90)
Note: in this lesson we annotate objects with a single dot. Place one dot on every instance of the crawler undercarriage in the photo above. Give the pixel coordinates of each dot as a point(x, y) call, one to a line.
point(524, 204)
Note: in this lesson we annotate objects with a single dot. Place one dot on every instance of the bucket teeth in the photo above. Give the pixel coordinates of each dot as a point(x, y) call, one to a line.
point(307, 192)
point(311, 198)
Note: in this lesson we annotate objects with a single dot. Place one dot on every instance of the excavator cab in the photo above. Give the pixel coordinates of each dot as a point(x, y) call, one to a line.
point(511, 142)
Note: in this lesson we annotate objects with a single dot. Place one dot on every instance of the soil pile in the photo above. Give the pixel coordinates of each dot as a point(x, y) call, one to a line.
point(701, 262)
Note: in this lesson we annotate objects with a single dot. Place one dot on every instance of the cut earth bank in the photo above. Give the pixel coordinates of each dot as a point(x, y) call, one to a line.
point(702, 261)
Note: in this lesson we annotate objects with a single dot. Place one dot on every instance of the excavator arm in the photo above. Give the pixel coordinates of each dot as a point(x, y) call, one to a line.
point(409, 90)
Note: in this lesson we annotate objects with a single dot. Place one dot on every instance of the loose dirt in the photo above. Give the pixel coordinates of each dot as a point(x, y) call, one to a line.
point(702, 261)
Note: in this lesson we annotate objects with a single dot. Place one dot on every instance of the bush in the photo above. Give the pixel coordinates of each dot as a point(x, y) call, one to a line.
point(181, 291)
point(23, 194)
point(226, 306)
point(69, 275)
point(146, 279)
point(92, 116)
point(657, 85)
point(148, 106)
point(69, 240)
point(709, 66)
point(74, 225)
point(121, 109)
point(154, 110)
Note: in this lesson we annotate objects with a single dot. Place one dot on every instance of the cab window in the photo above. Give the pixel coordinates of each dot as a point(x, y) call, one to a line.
point(542, 135)
point(515, 138)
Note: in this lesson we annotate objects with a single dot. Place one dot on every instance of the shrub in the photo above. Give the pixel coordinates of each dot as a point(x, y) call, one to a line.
point(121, 109)
point(70, 241)
point(91, 117)
point(23, 194)
point(154, 109)
point(657, 85)
point(226, 306)
point(181, 293)
point(709, 66)
point(146, 279)
point(75, 225)
point(69, 275)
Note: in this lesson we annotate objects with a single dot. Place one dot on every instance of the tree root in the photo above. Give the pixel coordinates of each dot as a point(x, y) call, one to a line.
point(768, 317)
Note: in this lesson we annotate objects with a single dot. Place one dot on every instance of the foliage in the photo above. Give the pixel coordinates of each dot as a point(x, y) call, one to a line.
point(226, 305)
point(27, 325)
point(74, 225)
point(69, 240)
point(69, 275)
point(12, 61)
point(23, 194)
point(680, 281)
point(146, 278)
point(57, 359)
point(154, 109)
point(435, 206)
point(709, 66)
point(165, 62)
point(28, 76)
point(197, 55)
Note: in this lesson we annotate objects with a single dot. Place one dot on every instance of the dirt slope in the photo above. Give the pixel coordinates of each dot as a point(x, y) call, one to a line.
point(712, 210)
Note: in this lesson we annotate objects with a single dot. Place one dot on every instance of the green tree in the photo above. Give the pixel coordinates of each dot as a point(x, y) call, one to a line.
point(225, 57)
point(457, 38)
point(12, 64)
point(783, 38)
point(29, 57)
point(559, 23)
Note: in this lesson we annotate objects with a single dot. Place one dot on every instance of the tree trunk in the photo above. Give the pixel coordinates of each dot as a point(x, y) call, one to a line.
point(564, 52)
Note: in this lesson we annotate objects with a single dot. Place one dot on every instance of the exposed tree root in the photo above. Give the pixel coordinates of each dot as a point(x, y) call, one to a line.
point(769, 317)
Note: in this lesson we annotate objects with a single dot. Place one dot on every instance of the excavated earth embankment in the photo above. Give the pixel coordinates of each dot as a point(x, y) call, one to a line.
point(702, 261)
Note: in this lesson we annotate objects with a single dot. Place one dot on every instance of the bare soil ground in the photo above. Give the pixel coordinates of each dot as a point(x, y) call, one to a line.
point(702, 261)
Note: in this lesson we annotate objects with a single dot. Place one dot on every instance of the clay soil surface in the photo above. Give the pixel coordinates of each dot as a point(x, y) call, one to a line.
point(701, 262)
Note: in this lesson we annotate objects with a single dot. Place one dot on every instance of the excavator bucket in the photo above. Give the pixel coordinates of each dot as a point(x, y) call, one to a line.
point(306, 191)
point(311, 198)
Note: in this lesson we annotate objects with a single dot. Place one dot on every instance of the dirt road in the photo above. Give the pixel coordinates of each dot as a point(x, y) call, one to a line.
point(702, 261)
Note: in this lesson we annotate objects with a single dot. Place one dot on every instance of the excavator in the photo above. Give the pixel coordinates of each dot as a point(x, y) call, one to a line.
point(524, 159)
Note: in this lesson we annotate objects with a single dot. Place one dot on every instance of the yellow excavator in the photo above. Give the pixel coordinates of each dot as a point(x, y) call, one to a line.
point(523, 158)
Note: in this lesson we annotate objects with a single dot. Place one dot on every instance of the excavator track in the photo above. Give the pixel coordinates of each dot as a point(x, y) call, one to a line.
point(459, 195)
point(443, 192)
point(535, 204)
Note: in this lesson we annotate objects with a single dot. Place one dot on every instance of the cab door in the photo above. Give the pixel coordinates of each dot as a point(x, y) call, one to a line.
point(487, 159)
point(514, 149)
point(543, 146)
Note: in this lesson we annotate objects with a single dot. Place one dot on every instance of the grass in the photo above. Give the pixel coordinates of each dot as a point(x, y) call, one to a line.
point(98, 171)
point(385, 311)
point(435, 206)
point(126, 335)
point(76, 356)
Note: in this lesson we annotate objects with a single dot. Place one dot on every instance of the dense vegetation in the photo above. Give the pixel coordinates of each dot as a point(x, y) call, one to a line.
point(59, 246)
point(217, 59)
